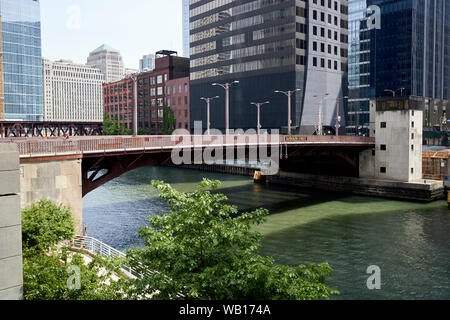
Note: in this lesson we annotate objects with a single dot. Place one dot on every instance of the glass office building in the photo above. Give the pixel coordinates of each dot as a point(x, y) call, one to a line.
point(269, 45)
point(22, 60)
point(186, 28)
point(410, 55)
point(357, 111)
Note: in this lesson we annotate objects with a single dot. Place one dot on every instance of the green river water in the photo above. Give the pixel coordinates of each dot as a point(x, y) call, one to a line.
point(409, 241)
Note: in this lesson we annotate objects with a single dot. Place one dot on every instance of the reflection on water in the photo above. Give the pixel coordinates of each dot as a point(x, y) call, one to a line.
point(408, 241)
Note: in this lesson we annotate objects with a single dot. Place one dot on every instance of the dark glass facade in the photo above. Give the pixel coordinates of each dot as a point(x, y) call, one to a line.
point(357, 112)
point(410, 55)
point(22, 60)
point(266, 45)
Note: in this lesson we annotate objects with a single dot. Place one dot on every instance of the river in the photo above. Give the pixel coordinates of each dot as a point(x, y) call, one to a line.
point(408, 241)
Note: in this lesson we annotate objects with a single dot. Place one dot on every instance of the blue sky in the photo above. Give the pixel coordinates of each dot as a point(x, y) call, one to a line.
point(73, 28)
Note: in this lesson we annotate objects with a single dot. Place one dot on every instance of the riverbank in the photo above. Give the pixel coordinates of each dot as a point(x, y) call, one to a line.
point(424, 190)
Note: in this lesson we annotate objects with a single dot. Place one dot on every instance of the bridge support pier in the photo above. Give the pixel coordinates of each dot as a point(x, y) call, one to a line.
point(58, 180)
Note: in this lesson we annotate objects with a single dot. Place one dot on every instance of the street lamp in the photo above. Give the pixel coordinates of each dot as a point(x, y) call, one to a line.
point(338, 118)
point(258, 105)
point(227, 86)
point(289, 95)
point(208, 102)
point(134, 77)
point(320, 125)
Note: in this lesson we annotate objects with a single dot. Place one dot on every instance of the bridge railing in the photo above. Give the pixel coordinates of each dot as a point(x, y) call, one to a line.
point(74, 145)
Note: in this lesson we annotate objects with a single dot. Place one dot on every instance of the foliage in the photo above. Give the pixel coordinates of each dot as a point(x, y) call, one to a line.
point(114, 127)
point(45, 224)
point(47, 277)
point(46, 269)
point(169, 121)
point(204, 249)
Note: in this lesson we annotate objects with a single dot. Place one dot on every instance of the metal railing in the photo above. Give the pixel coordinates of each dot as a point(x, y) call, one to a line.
point(34, 147)
point(96, 247)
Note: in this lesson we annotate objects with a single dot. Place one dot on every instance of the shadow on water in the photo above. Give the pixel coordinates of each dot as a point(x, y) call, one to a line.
point(411, 248)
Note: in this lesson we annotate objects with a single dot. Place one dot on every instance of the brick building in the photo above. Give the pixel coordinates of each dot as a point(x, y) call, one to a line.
point(151, 93)
point(177, 91)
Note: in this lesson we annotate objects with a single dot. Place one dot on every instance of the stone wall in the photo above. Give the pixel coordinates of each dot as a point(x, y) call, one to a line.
point(11, 274)
point(60, 181)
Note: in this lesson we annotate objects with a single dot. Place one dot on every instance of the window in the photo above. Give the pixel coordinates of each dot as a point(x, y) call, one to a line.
point(412, 147)
point(185, 87)
point(315, 30)
point(314, 14)
point(412, 170)
point(159, 79)
point(412, 124)
point(383, 147)
point(322, 47)
point(383, 170)
point(383, 125)
point(412, 136)
point(329, 64)
point(322, 32)
point(314, 61)
point(322, 63)
point(315, 46)
point(322, 16)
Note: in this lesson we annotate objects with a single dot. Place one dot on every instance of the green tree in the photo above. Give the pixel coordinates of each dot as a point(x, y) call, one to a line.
point(47, 270)
point(204, 249)
point(46, 223)
point(169, 121)
point(114, 127)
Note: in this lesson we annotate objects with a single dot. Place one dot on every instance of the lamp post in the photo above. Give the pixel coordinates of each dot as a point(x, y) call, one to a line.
point(208, 102)
point(135, 96)
point(227, 86)
point(338, 118)
point(289, 95)
point(258, 106)
point(319, 124)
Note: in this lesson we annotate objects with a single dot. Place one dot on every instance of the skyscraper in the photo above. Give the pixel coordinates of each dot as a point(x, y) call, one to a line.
point(410, 55)
point(268, 46)
point(186, 52)
point(147, 62)
point(357, 111)
point(109, 61)
point(21, 61)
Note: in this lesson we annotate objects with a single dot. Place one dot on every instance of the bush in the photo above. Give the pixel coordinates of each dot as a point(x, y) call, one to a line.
point(45, 224)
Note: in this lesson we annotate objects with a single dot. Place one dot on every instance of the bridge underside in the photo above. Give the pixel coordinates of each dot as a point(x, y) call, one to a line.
point(98, 169)
point(320, 160)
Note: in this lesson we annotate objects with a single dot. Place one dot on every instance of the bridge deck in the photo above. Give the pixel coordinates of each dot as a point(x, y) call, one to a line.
point(86, 146)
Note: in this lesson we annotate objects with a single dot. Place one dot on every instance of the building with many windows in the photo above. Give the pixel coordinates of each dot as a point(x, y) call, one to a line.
point(410, 56)
point(147, 62)
point(151, 93)
point(177, 98)
point(186, 52)
point(21, 61)
point(358, 107)
point(267, 46)
point(72, 92)
point(109, 61)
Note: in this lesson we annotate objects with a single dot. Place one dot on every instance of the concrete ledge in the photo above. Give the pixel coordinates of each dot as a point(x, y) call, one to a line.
point(9, 157)
point(10, 242)
point(10, 206)
point(10, 182)
point(430, 191)
point(13, 293)
point(11, 272)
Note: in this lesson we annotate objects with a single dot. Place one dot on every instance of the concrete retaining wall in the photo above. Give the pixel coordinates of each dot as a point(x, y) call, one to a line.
point(418, 191)
point(60, 181)
point(11, 274)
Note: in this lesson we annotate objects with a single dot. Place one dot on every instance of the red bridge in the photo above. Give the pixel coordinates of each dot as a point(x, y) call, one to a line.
point(105, 158)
